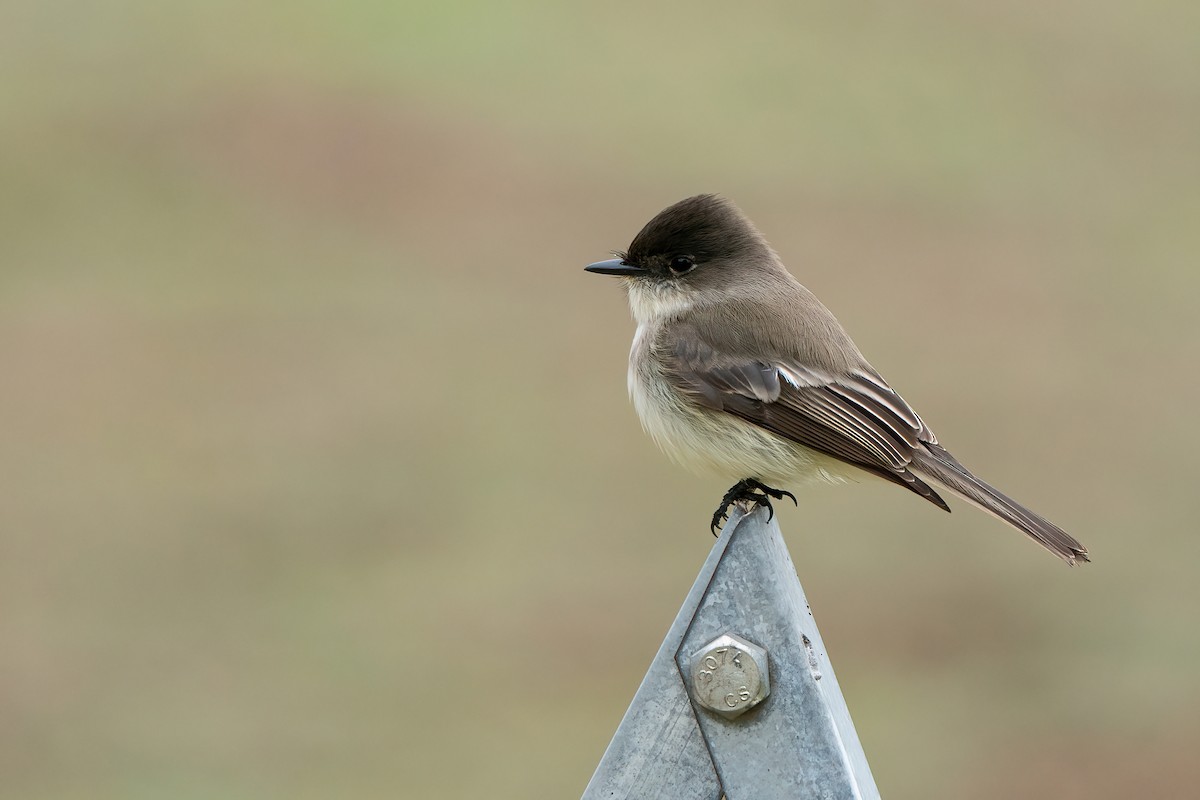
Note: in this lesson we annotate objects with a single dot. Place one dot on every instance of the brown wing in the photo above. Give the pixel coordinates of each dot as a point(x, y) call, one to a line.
point(856, 418)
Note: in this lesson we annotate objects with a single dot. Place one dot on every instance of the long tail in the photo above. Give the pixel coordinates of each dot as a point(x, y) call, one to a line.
point(938, 465)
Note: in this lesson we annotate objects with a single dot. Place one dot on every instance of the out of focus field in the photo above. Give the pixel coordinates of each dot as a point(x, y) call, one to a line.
point(318, 478)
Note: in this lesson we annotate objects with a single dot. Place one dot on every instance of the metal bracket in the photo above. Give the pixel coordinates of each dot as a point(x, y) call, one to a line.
point(688, 734)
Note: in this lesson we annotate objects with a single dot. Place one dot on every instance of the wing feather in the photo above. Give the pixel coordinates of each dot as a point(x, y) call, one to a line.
point(859, 419)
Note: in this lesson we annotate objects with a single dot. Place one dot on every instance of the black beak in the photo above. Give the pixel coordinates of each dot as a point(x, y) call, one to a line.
point(615, 266)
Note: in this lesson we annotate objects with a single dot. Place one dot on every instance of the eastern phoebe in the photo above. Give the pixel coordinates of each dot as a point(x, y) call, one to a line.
point(737, 369)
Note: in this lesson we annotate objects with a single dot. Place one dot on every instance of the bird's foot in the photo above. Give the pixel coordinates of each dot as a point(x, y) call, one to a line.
point(748, 490)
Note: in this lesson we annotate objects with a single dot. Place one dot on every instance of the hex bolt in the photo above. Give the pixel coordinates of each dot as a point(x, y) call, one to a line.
point(730, 676)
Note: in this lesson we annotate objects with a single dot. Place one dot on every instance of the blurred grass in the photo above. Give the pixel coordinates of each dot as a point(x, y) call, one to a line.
point(319, 474)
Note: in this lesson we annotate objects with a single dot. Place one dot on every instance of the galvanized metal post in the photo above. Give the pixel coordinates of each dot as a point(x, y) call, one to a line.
point(741, 701)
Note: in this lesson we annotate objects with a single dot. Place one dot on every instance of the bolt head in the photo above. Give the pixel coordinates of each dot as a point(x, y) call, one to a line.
point(730, 676)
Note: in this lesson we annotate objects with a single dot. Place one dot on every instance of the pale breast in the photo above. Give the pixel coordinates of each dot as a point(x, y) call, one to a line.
point(714, 442)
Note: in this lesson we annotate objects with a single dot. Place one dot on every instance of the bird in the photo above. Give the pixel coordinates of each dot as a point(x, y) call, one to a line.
point(738, 370)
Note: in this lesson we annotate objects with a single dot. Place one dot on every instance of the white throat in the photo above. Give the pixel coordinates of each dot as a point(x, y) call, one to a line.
point(653, 302)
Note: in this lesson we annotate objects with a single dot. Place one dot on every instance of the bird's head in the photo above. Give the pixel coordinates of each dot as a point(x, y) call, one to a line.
point(698, 250)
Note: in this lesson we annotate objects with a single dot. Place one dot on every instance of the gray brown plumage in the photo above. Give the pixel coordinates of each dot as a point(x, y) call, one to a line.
point(737, 368)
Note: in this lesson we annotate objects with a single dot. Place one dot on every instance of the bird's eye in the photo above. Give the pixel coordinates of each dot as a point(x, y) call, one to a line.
point(681, 265)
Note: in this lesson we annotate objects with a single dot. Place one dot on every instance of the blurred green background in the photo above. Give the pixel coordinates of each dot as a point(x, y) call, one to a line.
point(319, 477)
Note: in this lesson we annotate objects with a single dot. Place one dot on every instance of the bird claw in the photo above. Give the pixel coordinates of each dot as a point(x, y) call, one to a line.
point(749, 490)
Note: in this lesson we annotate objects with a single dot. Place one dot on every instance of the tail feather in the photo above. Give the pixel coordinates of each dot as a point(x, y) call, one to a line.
point(938, 465)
